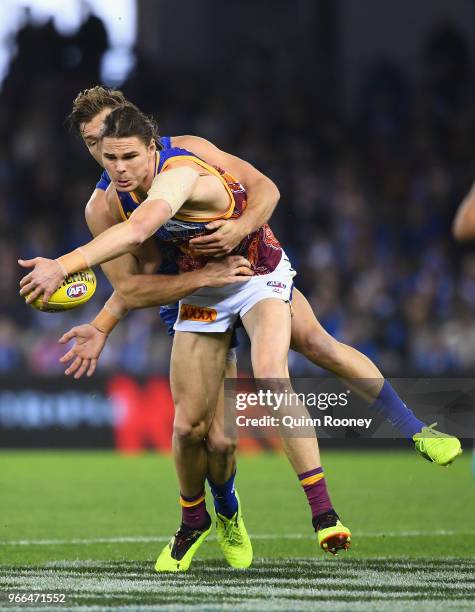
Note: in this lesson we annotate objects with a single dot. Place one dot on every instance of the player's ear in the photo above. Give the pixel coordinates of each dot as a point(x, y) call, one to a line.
point(152, 147)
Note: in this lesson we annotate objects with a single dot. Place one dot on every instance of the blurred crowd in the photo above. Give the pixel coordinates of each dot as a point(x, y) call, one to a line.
point(367, 196)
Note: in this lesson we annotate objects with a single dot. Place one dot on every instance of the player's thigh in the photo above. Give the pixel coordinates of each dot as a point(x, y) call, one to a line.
point(268, 325)
point(196, 373)
point(230, 370)
point(305, 325)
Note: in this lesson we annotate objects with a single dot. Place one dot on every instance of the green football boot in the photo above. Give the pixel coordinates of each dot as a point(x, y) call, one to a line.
point(332, 535)
point(179, 552)
point(436, 446)
point(233, 538)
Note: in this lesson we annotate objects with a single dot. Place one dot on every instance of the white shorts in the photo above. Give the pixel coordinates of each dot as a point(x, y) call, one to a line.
point(217, 309)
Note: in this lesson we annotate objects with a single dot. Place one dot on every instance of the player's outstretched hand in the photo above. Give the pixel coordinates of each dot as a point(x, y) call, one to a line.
point(224, 237)
point(86, 350)
point(43, 280)
point(231, 269)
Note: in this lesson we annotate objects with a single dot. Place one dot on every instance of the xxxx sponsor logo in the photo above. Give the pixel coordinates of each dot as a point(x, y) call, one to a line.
point(189, 312)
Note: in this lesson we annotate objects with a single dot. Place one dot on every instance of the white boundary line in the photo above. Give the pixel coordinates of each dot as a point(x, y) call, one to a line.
point(257, 536)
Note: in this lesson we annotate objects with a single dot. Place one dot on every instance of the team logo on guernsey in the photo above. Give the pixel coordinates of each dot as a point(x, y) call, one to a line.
point(76, 290)
point(276, 284)
point(190, 312)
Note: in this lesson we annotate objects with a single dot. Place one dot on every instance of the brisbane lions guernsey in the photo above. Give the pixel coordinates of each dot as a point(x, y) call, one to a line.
point(261, 248)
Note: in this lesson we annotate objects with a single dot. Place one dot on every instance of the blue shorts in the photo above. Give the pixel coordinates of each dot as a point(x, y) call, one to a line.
point(169, 315)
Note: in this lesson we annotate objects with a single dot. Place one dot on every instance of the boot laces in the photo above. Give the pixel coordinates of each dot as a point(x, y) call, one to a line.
point(232, 533)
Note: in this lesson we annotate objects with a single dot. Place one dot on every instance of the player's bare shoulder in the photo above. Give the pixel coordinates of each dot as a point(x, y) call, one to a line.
point(97, 203)
point(97, 212)
point(243, 171)
point(199, 146)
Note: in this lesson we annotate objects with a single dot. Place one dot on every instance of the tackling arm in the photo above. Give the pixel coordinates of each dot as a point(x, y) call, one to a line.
point(262, 197)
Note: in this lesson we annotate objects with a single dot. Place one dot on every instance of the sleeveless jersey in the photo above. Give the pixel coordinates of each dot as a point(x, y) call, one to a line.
point(261, 248)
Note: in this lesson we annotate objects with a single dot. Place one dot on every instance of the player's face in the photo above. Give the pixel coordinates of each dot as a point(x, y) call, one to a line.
point(91, 134)
point(128, 161)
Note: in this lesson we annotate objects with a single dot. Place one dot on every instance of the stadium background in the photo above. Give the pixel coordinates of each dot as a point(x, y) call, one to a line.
point(362, 111)
point(368, 134)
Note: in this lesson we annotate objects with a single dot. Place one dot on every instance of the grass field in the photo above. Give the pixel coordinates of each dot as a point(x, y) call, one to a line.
point(90, 525)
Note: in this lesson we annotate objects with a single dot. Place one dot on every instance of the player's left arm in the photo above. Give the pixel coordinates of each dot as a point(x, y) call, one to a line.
point(169, 191)
point(262, 198)
point(463, 227)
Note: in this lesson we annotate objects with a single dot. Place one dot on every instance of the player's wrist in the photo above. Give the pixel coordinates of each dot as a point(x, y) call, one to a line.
point(64, 271)
point(243, 227)
point(72, 262)
point(106, 320)
point(201, 278)
point(209, 277)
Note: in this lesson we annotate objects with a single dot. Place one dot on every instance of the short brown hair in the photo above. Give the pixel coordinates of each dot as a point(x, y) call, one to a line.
point(90, 102)
point(127, 120)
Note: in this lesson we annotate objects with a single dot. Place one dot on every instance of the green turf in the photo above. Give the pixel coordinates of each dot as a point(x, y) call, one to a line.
point(91, 525)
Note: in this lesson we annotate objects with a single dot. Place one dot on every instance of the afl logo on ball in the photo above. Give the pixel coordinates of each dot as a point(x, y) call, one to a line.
point(77, 290)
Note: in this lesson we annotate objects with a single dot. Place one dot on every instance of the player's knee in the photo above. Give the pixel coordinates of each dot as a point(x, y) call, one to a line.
point(189, 432)
point(219, 444)
point(323, 350)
